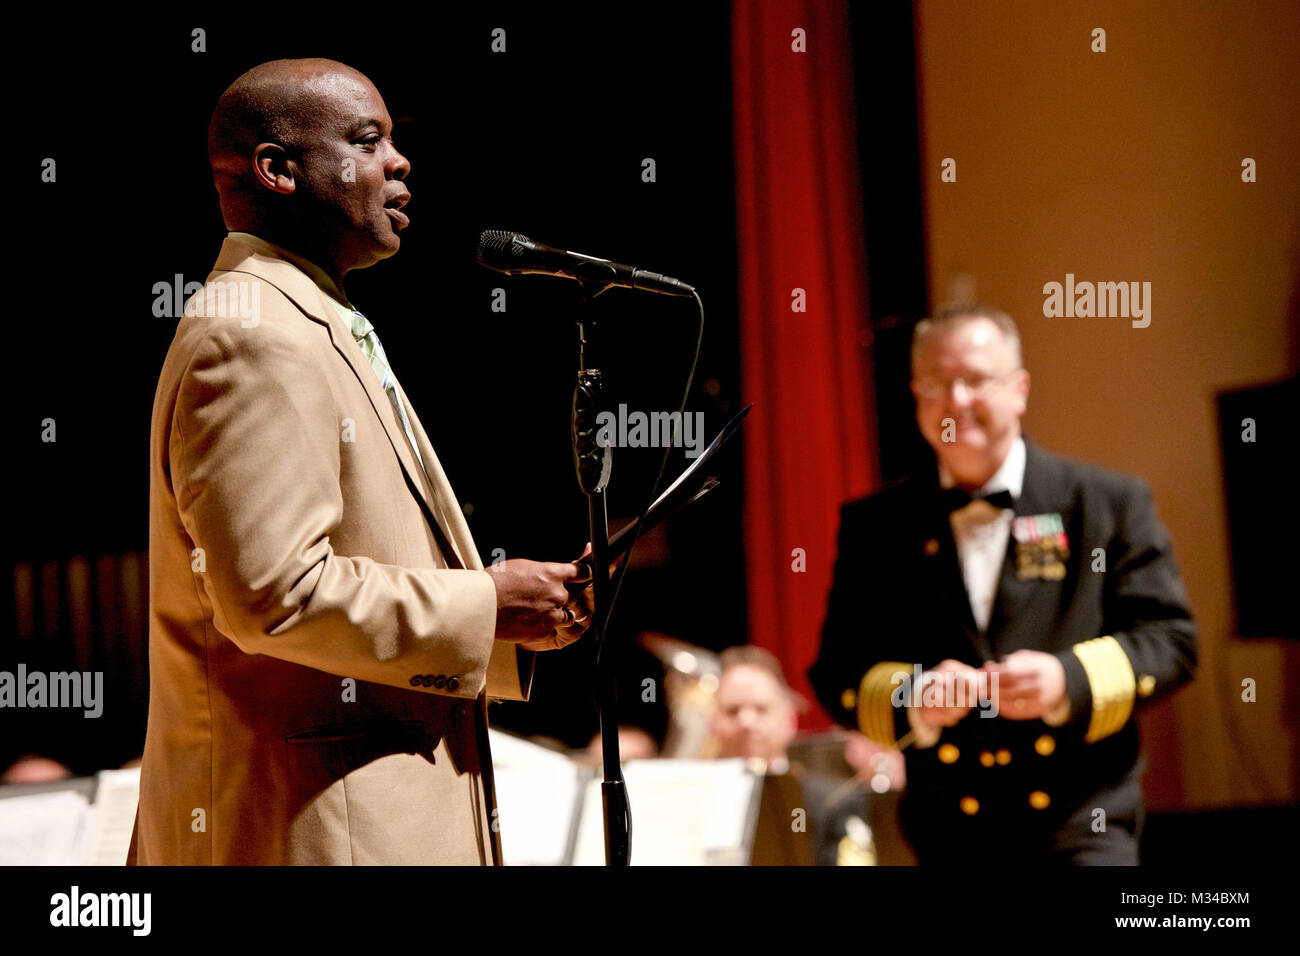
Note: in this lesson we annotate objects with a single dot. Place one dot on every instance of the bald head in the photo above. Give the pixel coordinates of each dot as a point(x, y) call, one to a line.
point(276, 102)
point(281, 102)
point(302, 154)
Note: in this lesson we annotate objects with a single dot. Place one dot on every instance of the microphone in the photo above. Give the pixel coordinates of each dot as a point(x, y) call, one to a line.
point(517, 255)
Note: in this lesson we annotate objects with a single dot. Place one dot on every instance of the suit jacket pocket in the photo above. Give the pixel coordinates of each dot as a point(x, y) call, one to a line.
point(381, 793)
point(355, 741)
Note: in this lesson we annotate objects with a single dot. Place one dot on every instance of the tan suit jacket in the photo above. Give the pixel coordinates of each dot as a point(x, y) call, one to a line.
point(321, 628)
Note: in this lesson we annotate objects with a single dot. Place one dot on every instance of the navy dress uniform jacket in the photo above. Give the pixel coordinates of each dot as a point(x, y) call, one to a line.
point(1123, 631)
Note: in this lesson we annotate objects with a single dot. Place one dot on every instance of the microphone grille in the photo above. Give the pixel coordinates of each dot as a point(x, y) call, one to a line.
point(494, 246)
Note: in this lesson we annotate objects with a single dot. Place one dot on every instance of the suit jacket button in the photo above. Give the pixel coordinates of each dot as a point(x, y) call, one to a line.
point(415, 681)
point(440, 681)
point(428, 680)
point(452, 683)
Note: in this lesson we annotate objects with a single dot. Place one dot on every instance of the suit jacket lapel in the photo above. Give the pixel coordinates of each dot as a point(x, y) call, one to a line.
point(444, 499)
point(949, 594)
point(239, 257)
point(1044, 492)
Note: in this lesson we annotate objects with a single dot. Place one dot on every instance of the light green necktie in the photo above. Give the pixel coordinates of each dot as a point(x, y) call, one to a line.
point(368, 341)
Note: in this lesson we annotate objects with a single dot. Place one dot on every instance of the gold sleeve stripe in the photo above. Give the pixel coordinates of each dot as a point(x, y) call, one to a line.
point(1113, 686)
point(879, 714)
point(875, 709)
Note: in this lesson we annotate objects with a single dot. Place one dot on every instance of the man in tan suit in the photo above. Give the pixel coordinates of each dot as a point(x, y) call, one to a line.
point(323, 637)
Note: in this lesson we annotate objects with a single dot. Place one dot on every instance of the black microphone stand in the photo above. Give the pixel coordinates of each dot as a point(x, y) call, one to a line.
point(593, 462)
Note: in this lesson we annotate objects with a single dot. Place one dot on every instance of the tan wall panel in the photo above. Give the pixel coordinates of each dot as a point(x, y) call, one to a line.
point(1126, 166)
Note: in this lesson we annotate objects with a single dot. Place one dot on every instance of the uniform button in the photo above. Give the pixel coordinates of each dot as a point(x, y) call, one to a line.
point(1003, 756)
point(1146, 685)
point(931, 548)
point(1039, 800)
point(948, 753)
point(1045, 745)
point(452, 683)
point(415, 681)
point(428, 680)
point(849, 699)
point(986, 758)
point(440, 681)
point(970, 806)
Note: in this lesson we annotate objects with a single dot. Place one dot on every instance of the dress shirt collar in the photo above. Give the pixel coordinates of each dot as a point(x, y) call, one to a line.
point(1010, 477)
point(312, 271)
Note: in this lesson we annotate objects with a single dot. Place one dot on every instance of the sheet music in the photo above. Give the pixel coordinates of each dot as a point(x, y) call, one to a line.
point(44, 829)
point(684, 813)
point(537, 796)
point(112, 817)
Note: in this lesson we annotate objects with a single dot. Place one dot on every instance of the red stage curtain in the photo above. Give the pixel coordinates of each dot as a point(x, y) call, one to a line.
point(810, 441)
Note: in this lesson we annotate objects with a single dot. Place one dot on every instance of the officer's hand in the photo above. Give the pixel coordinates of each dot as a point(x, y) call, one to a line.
point(1030, 684)
point(534, 606)
point(957, 690)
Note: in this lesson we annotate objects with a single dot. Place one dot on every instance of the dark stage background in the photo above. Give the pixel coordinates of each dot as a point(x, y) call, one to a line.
point(1126, 162)
point(547, 139)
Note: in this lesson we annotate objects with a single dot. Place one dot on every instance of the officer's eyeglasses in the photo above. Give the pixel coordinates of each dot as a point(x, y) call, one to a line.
point(933, 387)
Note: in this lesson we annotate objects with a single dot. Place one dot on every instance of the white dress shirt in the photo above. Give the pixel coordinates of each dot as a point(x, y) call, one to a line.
point(982, 532)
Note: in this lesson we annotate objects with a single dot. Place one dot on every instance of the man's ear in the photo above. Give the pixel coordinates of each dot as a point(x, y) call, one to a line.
point(272, 168)
point(1022, 388)
point(797, 704)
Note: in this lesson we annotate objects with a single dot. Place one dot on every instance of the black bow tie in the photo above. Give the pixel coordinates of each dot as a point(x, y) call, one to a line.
point(954, 498)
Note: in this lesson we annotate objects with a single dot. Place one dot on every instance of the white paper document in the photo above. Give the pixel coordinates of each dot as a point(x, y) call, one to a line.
point(44, 829)
point(537, 799)
point(112, 817)
point(684, 813)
